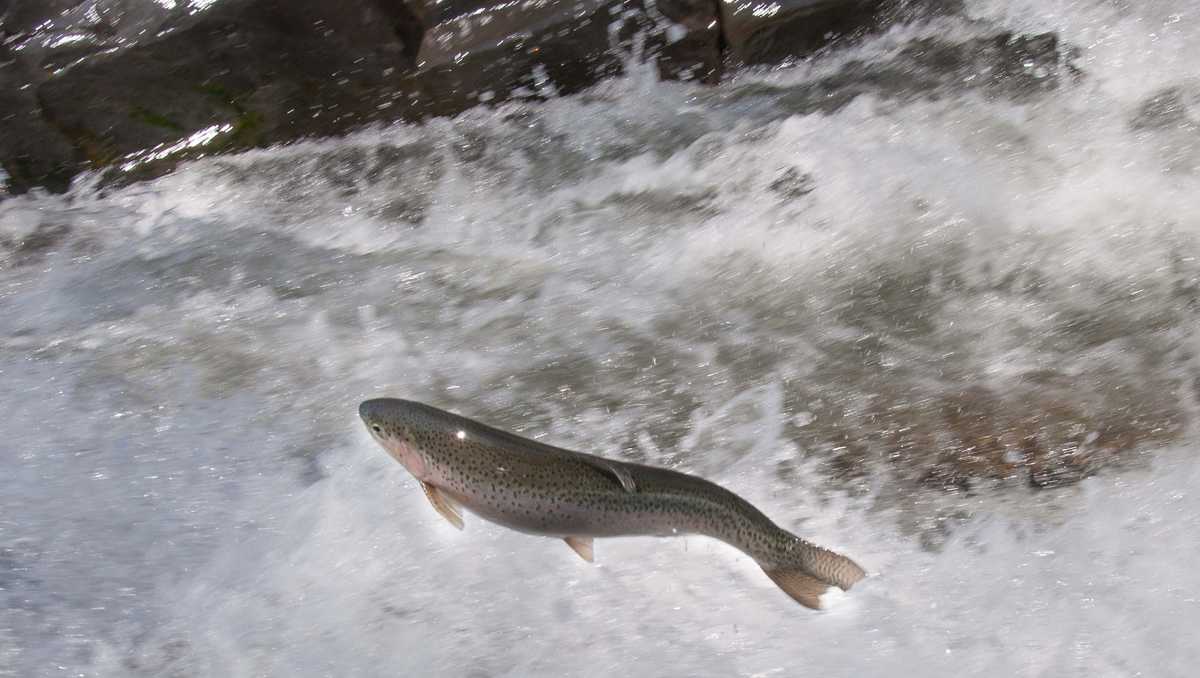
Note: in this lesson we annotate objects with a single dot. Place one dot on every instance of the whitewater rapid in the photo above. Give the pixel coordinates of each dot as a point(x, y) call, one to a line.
point(799, 303)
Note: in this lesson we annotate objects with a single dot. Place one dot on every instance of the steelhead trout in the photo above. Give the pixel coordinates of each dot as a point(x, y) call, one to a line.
point(540, 489)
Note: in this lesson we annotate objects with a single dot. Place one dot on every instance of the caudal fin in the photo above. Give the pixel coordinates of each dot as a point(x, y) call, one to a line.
point(803, 588)
point(812, 572)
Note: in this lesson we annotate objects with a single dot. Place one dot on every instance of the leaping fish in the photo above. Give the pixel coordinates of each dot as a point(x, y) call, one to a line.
point(539, 489)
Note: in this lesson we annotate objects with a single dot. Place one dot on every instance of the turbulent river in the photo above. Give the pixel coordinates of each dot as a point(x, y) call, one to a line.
point(924, 306)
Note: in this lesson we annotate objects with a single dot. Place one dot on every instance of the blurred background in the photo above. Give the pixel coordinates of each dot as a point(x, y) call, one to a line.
point(917, 279)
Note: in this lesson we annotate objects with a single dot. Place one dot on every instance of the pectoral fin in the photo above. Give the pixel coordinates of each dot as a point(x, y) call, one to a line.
point(444, 505)
point(581, 545)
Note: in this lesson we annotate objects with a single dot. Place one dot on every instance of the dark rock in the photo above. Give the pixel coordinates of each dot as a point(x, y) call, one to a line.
point(132, 88)
point(681, 35)
point(689, 47)
point(484, 52)
point(32, 152)
point(43, 38)
point(901, 11)
point(49, 35)
point(249, 73)
point(502, 50)
point(18, 17)
point(762, 31)
point(137, 91)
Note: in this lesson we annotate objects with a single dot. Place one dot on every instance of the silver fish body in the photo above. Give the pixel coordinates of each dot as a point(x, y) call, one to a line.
point(540, 489)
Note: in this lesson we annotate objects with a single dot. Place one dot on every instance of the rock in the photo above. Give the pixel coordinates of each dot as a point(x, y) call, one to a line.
point(497, 51)
point(475, 52)
point(20, 17)
point(1040, 434)
point(132, 87)
point(758, 32)
point(49, 35)
point(32, 152)
point(1005, 65)
point(247, 73)
point(690, 46)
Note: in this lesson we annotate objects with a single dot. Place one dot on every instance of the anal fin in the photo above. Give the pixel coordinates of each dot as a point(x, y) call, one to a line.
point(581, 545)
point(443, 504)
point(803, 588)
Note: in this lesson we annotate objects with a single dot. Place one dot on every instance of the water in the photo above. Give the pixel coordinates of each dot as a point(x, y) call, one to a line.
point(953, 336)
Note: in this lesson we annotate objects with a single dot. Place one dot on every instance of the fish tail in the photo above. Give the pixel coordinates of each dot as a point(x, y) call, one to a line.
point(810, 570)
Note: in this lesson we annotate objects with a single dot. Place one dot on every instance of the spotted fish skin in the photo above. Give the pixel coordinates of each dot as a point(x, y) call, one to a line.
point(540, 489)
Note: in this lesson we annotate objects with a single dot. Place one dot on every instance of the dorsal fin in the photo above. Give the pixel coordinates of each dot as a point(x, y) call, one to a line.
point(513, 441)
point(622, 474)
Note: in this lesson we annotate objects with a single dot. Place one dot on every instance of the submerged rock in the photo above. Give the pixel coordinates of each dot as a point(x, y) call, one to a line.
point(1164, 109)
point(1000, 66)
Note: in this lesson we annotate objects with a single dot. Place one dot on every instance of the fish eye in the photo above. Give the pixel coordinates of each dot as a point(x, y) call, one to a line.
point(375, 428)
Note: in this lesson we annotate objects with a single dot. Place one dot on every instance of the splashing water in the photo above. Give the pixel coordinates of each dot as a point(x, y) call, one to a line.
point(948, 331)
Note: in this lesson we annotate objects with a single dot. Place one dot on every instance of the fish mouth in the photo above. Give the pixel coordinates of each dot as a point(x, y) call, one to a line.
point(372, 413)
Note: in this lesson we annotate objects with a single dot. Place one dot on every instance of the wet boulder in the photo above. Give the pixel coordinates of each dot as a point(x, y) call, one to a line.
point(32, 152)
point(131, 88)
point(760, 31)
point(474, 52)
point(245, 73)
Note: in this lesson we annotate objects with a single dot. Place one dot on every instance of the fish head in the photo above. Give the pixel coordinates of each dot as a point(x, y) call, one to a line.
point(393, 423)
